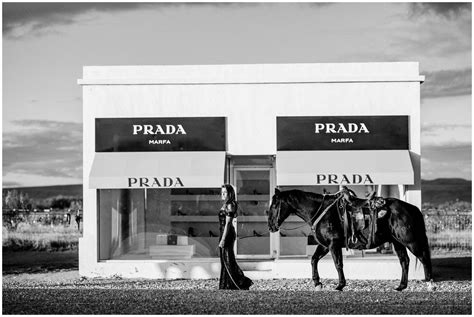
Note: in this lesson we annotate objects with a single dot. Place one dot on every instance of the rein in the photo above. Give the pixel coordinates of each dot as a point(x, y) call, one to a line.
point(321, 215)
point(311, 223)
point(313, 226)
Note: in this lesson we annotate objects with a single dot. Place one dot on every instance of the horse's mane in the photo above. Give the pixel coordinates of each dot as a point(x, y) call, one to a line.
point(298, 194)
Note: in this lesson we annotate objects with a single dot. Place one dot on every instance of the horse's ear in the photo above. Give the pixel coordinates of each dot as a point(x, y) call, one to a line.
point(277, 191)
point(346, 196)
point(348, 192)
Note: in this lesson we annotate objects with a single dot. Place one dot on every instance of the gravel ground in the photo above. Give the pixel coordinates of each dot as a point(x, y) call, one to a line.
point(49, 283)
point(66, 293)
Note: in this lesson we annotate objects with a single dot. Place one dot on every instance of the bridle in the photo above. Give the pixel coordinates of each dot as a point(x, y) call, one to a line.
point(277, 227)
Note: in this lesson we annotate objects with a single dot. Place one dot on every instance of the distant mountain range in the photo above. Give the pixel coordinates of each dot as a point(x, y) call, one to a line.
point(432, 191)
point(442, 190)
point(43, 192)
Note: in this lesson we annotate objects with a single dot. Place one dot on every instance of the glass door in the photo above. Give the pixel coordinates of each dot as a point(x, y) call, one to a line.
point(253, 187)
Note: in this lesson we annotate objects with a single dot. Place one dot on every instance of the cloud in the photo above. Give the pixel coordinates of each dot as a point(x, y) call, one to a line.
point(7, 184)
point(447, 10)
point(22, 19)
point(447, 83)
point(439, 162)
point(446, 150)
point(437, 35)
point(446, 136)
point(43, 148)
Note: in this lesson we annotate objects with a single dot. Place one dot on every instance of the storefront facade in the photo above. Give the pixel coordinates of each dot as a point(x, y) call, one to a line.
point(159, 141)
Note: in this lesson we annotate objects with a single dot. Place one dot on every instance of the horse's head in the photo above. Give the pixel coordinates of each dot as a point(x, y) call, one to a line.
point(279, 211)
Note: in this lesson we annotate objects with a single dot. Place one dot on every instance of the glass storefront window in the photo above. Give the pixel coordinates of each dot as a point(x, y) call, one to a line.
point(253, 194)
point(158, 223)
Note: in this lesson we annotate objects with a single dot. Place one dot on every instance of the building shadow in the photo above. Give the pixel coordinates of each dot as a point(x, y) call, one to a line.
point(18, 262)
point(444, 269)
point(452, 269)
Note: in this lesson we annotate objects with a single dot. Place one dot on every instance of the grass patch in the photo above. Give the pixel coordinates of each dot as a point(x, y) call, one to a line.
point(451, 240)
point(39, 237)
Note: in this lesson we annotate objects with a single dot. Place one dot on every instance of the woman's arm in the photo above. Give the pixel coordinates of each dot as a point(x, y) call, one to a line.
point(226, 229)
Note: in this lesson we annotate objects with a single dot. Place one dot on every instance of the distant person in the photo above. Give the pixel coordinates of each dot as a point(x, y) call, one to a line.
point(68, 217)
point(78, 220)
point(231, 276)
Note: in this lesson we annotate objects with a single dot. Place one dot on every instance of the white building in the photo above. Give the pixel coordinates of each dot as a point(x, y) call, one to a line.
point(159, 141)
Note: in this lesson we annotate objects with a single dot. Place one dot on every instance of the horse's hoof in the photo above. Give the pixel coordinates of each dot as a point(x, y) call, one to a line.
point(318, 286)
point(340, 287)
point(431, 286)
point(401, 288)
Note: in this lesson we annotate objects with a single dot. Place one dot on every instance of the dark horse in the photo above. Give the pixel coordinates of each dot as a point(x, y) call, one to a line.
point(402, 225)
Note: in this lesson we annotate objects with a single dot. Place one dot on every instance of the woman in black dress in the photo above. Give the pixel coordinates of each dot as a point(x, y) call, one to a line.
point(232, 276)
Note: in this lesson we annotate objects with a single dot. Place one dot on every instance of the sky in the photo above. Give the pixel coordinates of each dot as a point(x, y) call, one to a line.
point(45, 46)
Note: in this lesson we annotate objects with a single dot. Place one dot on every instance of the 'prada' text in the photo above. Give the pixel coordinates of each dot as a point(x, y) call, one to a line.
point(158, 129)
point(340, 128)
point(155, 182)
point(343, 179)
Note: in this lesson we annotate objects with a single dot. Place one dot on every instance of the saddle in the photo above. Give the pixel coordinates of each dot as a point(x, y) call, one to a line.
point(372, 202)
point(360, 219)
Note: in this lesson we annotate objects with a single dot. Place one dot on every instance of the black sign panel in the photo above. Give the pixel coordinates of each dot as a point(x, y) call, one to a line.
point(160, 134)
point(342, 133)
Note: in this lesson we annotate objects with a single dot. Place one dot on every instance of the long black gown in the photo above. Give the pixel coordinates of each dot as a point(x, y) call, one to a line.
point(232, 276)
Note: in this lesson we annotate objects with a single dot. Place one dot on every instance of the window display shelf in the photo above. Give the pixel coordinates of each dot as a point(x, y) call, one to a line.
point(254, 197)
point(167, 252)
point(215, 219)
point(217, 197)
point(195, 198)
point(194, 218)
point(252, 219)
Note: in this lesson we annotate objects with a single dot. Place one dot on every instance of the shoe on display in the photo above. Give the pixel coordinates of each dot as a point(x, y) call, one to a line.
point(191, 232)
point(256, 234)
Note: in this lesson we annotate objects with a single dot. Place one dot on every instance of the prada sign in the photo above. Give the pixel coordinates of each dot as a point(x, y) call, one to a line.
point(342, 133)
point(344, 179)
point(155, 182)
point(160, 134)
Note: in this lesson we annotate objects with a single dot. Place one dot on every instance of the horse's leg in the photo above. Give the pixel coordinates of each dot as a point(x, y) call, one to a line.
point(336, 253)
point(404, 262)
point(422, 251)
point(319, 253)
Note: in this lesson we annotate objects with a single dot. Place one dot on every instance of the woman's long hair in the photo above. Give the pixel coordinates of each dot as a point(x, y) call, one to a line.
point(231, 197)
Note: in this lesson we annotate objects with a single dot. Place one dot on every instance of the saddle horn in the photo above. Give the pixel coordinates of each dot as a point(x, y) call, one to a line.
point(348, 194)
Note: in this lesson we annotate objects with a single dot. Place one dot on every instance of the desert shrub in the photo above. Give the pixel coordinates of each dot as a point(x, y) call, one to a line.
point(39, 237)
point(448, 232)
